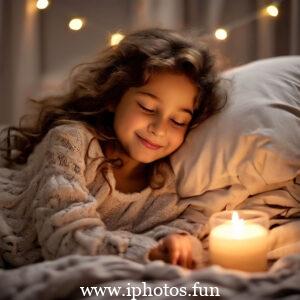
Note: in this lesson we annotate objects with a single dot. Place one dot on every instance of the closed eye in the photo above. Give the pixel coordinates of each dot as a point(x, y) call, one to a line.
point(148, 110)
point(179, 124)
point(145, 108)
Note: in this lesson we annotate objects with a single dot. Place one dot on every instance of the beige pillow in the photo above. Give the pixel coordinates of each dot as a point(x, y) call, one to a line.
point(254, 141)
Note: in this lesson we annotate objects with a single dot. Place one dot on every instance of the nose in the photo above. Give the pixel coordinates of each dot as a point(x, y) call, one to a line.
point(158, 127)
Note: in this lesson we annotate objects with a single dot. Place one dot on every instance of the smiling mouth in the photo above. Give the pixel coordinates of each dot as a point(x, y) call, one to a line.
point(148, 144)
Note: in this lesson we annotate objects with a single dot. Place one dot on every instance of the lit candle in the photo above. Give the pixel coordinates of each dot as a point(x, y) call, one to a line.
point(239, 244)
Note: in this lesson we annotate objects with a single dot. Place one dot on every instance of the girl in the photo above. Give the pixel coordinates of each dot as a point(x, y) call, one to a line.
point(90, 174)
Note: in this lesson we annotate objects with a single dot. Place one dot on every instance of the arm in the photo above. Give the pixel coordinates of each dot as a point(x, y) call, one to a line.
point(191, 221)
point(179, 239)
point(65, 213)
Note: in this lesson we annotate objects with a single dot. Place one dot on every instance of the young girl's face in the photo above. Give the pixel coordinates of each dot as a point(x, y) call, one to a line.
point(151, 121)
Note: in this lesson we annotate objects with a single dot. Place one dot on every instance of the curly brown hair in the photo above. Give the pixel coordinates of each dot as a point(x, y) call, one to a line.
point(98, 85)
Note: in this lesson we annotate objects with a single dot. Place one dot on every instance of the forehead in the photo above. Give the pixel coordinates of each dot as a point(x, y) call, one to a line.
point(174, 87)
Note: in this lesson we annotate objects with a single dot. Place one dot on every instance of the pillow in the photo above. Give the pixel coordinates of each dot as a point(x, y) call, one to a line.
point(254, 141)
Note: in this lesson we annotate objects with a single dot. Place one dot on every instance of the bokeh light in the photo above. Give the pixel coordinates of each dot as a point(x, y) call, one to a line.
point(221, 34)
point(272, 11)
point(76, 24)
point(42, 4)
point(116, 38)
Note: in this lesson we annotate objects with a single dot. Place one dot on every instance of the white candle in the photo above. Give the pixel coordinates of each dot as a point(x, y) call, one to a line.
point(239, 245)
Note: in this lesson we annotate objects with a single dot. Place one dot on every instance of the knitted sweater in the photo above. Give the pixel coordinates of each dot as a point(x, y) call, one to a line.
point(59, 204)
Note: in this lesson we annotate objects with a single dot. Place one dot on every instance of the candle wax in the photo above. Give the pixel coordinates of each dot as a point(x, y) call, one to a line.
point(243, 247)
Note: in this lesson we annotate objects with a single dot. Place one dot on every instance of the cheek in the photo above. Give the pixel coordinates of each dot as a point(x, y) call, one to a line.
point(176, 138)
point(135, 121)
point(128, 121)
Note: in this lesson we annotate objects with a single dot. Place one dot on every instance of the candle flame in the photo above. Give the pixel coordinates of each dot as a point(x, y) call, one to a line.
point(237, 222)
point(235, 217)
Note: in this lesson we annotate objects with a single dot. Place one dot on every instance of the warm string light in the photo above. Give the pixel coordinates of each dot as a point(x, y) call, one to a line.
point(42, 4)
point(76, 24)
point(220, 33)
point(116, 38)
point(272, 10)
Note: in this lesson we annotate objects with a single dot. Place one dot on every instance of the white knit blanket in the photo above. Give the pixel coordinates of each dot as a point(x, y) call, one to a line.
point(66, 278)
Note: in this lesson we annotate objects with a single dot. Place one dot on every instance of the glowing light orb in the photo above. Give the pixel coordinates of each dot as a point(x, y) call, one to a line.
point(221, 34)
point(272, 10)
point(76, 24)
point(42, 4)
point(116, 38)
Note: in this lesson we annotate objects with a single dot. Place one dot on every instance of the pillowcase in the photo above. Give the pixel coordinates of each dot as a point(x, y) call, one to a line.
point(254, 141)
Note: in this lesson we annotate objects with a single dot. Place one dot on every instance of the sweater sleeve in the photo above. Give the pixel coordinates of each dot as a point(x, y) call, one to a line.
point(182, 215)
point(65, 213)
point(190, 222)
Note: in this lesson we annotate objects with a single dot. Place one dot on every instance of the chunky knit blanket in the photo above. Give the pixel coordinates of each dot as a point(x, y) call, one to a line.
point(69, 278)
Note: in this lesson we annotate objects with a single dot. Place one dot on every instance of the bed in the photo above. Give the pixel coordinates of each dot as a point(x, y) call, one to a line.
point(246, 157)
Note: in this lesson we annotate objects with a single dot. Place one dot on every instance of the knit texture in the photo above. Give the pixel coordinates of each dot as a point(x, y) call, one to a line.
point(59, 203)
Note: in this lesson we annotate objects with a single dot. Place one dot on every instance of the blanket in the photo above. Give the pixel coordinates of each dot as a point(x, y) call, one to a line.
point(70, 276)
point(281, 203)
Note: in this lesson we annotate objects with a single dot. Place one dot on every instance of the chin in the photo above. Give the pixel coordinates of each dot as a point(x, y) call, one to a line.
point(144, 159)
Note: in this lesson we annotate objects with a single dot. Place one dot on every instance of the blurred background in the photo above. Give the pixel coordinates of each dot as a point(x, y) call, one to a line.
point(40, 40)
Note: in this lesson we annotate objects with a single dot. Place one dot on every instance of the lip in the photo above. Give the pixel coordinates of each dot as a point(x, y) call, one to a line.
point(148, 144)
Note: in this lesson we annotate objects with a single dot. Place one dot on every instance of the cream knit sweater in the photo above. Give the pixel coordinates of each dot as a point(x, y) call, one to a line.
point(58, 204)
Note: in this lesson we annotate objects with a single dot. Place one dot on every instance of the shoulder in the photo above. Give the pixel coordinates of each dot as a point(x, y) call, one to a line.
point(73, 136)
point(74, 131)
point(72, 141)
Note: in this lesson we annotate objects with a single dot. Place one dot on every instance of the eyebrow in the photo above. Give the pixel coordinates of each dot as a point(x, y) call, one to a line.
point(158, 99)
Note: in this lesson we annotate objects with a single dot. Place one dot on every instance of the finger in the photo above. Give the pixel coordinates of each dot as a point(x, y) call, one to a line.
point(193, 264)
point(156, 254)
point(174, 256)
point(190, 261)
point(165, 248)
point(183, 259)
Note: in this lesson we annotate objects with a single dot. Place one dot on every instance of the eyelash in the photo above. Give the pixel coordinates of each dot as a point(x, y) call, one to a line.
point(146, 109)
point(152, 111)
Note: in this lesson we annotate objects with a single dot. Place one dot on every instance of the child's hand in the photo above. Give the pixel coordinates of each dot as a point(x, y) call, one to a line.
point(176, 249)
